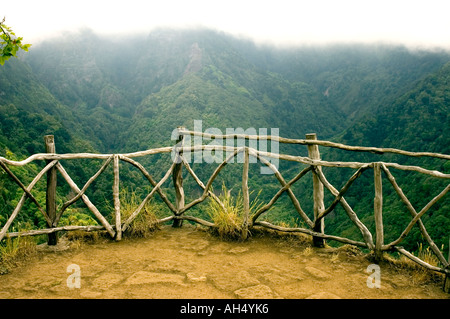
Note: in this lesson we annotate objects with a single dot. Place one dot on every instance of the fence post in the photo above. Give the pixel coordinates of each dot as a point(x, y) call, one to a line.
point(177, 177)
point(378, 212)
point(319, 206)
point(116, 195)
point(50, 198)
point(245, 194)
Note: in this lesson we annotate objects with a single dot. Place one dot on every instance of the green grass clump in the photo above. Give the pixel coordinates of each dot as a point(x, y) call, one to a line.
point(146, 222)
point(229, 219)
point(13, 251)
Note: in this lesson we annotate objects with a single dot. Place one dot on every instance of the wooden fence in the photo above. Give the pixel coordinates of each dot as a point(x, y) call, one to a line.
point(314, 227)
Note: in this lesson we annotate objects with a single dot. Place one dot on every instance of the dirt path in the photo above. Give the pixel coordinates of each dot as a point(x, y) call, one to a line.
point(187, 263)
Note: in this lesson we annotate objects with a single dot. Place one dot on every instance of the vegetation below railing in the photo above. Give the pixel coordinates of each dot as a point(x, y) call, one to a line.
point(229, 217)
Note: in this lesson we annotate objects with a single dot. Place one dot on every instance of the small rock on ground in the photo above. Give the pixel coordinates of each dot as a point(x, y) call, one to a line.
point(317, 273)
point(194, 277)
point(255, 292)
point(242, 279)
point(145, 277)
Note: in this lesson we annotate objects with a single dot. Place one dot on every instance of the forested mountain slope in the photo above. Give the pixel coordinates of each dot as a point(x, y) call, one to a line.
point(418, 120)
point(28, 111)
point(168, 78)
point(357, 79)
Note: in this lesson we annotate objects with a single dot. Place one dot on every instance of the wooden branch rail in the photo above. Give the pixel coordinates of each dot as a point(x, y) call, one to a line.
point(81, 193)
point(86, 200)
point(300, 159)
point(341, 193)
point(413, 212)
point(200, 183)
point(285, 188)
point(310, 232)
point(350, 213)
point(151, 180)
point(147, 198)
point(23, 198)
point(27, 192)
point(73, 228)
point(375, 150)
point(210, 181)
point(315, 227)
point(309, 161)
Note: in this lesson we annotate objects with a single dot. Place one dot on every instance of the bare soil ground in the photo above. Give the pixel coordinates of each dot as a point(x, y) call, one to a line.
point(186, 263)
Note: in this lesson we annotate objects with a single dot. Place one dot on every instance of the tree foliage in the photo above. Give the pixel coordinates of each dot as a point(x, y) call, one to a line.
point(10, 44)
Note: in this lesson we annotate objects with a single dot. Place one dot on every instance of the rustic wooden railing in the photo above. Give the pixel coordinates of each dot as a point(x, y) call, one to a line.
point(314, 164)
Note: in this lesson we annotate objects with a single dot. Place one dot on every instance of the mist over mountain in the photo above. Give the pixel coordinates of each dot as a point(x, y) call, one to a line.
point(104, 94)
point(129, 91)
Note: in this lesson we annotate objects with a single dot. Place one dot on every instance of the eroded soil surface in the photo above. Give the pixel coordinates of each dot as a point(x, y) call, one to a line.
point(188, 263)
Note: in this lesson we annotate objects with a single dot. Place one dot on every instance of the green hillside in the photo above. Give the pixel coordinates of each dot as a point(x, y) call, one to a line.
point(28, 111)
point(419, 120)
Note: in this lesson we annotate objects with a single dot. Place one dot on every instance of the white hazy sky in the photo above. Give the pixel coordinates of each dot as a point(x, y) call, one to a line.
point(282, 21)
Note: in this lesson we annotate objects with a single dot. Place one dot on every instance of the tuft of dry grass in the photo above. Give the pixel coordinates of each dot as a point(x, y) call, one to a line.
point(229, 220)
point(146, 222)
point(13, 251)
point(418, 273)
point(78, 237)
point(349, 250)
